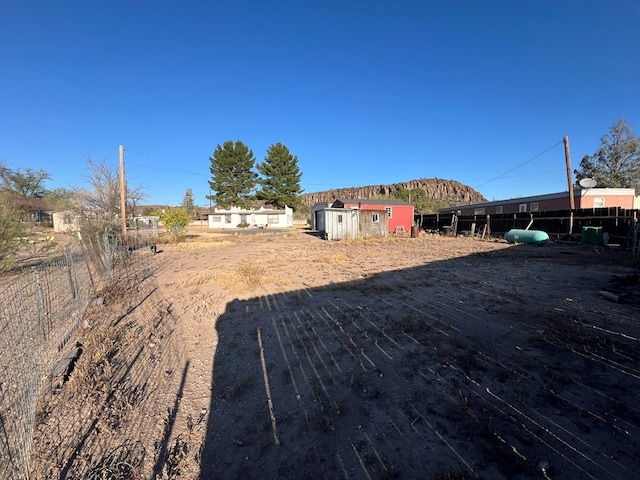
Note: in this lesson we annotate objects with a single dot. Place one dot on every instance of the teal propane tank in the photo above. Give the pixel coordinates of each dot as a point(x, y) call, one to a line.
point(532, 237)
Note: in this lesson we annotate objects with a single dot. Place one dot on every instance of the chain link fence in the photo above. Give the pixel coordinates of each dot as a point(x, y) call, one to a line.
point(40, 310)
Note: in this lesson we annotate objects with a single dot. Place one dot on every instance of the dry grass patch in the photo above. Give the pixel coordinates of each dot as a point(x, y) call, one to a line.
point(247, 276)
point(202, 244)
point(336, 258)
point(250, 273)
point(200, 279)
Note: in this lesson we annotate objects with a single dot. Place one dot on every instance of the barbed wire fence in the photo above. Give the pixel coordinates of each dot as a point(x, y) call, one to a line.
point(40, 310)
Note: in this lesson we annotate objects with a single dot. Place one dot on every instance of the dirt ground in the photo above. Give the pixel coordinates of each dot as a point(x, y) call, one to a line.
point(281, 355)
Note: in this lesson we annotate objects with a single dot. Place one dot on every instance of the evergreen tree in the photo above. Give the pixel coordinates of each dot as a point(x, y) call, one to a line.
point(188, 203)
point(616, 164)
point(232, 177)
point(280, 184)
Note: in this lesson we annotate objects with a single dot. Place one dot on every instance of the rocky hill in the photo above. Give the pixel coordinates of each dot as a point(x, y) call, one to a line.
point(441, 192)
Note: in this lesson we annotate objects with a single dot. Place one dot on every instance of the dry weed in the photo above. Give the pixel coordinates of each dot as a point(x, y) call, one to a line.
point(334, 259)
point(200, 279)
point(202, 245)
point(245, 277)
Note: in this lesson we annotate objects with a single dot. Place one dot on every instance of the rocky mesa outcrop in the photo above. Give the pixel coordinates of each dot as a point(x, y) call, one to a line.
point(449, 192)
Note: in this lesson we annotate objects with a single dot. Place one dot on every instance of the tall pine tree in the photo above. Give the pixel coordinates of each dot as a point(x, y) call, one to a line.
point(232, 177)
point(280, 182)
point(188, 203)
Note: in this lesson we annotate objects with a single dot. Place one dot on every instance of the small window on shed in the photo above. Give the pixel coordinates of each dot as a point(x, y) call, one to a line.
point(272, 219)
point(227, 218)
point(522, 208)
point(340, 218)
point(499, 209)
point(375, 218)
point(598, 202)
point(478, 211)
point(217, 219)
point(534, 206)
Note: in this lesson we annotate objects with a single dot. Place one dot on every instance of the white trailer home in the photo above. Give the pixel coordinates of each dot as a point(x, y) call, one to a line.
point(236, 217)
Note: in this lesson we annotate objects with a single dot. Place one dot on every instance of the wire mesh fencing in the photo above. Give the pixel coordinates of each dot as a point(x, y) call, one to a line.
point(40, 309)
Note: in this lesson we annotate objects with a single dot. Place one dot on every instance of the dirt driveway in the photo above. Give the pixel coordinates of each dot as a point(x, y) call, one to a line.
point(281, 355)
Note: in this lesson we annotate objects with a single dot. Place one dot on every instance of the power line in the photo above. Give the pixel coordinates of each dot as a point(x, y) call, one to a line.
point(516, 176)
point(163, 166)
point(520, 165)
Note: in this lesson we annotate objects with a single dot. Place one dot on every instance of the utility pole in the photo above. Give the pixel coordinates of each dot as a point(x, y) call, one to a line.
point(123, 196)
point(572, 204)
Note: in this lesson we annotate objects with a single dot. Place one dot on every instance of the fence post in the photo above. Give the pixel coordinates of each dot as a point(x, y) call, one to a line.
point(69, 264)
point(73, 280)
point(41, 304)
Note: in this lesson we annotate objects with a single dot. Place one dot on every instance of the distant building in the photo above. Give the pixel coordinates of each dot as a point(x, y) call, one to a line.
point(67, 221)
point(263, 217)
point(35, 210)
point(583, 198)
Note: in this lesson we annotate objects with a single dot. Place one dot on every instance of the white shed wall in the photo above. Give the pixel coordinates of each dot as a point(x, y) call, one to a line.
point(341, 224)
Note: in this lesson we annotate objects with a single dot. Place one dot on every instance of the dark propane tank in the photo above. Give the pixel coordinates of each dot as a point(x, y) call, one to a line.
point(531, 237)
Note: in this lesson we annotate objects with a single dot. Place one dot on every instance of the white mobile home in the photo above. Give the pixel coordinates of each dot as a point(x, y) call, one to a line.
point(236, 217)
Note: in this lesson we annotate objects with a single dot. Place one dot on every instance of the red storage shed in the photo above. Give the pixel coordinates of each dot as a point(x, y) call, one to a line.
point(399, 212)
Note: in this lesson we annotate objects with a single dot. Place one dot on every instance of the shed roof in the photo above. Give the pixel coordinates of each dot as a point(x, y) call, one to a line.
point(373, 201)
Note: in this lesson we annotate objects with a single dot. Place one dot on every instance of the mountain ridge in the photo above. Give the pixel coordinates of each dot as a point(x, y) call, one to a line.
point(438, 191)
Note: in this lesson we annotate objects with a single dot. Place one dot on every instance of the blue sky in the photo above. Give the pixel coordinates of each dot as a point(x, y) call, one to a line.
point(364, 92)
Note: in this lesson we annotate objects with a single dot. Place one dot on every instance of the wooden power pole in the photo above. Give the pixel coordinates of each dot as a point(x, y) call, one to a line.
point(123, 196)
point(572, 202)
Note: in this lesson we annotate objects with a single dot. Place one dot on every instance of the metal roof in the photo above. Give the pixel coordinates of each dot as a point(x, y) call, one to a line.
point(373, 201)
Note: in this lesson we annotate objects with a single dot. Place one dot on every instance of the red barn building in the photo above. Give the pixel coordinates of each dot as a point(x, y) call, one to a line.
point(399, 213)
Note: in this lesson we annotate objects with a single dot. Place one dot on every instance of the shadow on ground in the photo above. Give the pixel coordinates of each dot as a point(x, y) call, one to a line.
point(499, 365)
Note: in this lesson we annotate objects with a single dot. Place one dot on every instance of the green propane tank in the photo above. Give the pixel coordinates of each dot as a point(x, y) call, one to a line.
point(532, 237)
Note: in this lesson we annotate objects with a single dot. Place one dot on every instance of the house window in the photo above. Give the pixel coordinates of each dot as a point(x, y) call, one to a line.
point(499, 209)
point(375, 218)
point(340, 218)
point(534, 206)
point(271, 219)
point(598, 202)
point(522, 208)
point(388, 209)
point(227, 218)
point(216, 219)
point(243, 218)
point(478, 211)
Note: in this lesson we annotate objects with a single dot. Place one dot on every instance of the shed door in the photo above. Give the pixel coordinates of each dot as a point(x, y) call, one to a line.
point(320, 221)
point(339, 226)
